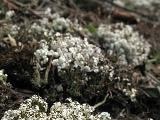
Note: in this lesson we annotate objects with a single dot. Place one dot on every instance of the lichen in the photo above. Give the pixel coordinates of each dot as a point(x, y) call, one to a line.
point(3, 78)
point(9, 14)
point(123, 42)
point(139, 3)
point(75, 59)
point(67, 49)
point(35, 108)
point(83, 68)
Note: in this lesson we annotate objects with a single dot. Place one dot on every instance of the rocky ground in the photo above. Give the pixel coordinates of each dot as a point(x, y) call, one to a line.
point(103, 54)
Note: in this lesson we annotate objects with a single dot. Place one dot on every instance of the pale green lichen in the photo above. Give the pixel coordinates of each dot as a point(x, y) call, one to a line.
point(147, 3)
point(67, 49)
point(35, 108)
point(3, 78)
point(124, 42)
point(80, 65)
point(74, 58)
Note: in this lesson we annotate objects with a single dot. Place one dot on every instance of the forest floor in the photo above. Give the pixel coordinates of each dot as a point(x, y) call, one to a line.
point(90, 14)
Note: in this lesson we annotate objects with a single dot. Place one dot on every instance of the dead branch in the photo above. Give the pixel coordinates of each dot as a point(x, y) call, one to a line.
point(119, 11)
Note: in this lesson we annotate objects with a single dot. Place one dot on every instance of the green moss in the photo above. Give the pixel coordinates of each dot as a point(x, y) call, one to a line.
point(130, 6)
point(91, 28)
point(157, 58)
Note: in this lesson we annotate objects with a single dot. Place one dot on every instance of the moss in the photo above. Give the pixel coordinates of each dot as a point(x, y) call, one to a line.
point(156, 58)
point(91, 28)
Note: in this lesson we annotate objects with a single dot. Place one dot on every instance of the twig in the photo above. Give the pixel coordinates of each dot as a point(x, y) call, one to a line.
point(102, 102)
point(47, 70)
point(151, 76)
point(13, 4)
point(10, 5)
point(119, 9)
point(73, 4)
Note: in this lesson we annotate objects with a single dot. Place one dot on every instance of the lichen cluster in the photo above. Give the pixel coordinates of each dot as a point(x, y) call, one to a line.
point(82, 65)
point(77, 61)
point(3, 78)
point(146, 3)
point(82, 69)
point(68, 50)
point(35, 108)
point(43, 28)
point(123, 42)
